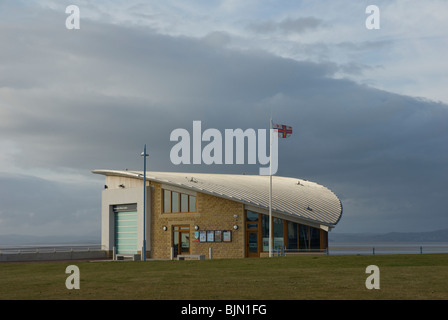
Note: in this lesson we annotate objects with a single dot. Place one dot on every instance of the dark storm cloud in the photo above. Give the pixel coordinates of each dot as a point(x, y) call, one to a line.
point(90, 99)
point(116, 87)
point(36, 206)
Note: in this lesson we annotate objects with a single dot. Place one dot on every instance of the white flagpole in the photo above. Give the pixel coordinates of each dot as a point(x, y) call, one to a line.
point(270, 191)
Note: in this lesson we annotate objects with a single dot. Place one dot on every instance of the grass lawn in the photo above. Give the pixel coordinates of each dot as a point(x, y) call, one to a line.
point(280, 278)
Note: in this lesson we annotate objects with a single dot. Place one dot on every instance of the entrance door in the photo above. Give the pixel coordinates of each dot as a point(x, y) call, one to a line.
point(181, 240)
point(252, 241)
point(252, 244)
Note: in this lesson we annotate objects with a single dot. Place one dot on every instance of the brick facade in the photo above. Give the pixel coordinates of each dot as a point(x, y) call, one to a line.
point(213, 213)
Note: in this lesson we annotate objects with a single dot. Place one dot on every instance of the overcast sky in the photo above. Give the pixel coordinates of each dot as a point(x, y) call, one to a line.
point(369, 108)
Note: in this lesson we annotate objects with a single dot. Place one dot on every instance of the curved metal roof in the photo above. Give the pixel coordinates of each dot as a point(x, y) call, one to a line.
point(295, 198)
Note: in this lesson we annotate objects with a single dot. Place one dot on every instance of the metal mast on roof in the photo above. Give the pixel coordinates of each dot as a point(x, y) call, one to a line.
point(270, 189)
point(144, 155)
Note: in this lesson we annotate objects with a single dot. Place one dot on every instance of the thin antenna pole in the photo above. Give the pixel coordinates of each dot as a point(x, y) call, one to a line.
point(144, 205)
point(270, 190)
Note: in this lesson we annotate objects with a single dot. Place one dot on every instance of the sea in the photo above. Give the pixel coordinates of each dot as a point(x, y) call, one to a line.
point(370, 248)
point(42, 248)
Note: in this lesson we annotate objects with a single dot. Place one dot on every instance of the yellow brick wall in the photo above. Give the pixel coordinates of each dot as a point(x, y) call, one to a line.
point(213, 213)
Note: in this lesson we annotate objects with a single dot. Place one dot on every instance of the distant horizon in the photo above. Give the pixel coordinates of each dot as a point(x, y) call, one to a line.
point(21, 239)
point(387, 232)
point(334, 231)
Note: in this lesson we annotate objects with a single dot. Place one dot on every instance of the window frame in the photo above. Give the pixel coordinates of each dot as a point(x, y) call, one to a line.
point(172, 200)
point(303, 234)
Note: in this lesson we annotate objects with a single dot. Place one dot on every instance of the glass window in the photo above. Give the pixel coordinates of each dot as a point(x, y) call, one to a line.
point(265, 231)
point(253, 242)
point(251, 216)
point(315, 238)
point(166, 201)
point(192, 203)
point(185, 242)
point(174, 201)
point(277, 233)
point(183, 202)
point(304, 237)
point(176, 242)
point(292, 235)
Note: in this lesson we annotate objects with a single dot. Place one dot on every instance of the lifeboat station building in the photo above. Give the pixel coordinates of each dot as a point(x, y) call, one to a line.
point(223, 215)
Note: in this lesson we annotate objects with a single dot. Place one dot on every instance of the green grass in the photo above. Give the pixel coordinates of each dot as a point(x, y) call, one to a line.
point(285, 278)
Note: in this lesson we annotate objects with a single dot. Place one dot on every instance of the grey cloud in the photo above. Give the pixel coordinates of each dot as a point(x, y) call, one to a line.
point(365, 45)
point(288, 25)
point(353, 68)
point(217, 38)
point(107, 90)
point(37, 206)
point(112, 86)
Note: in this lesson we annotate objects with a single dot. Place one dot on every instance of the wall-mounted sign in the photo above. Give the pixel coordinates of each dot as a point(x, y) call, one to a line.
point(218, 235)
point(210, 236)
point(128, 207)
point(202, 236)
point(213, 236)
point(227, 236)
